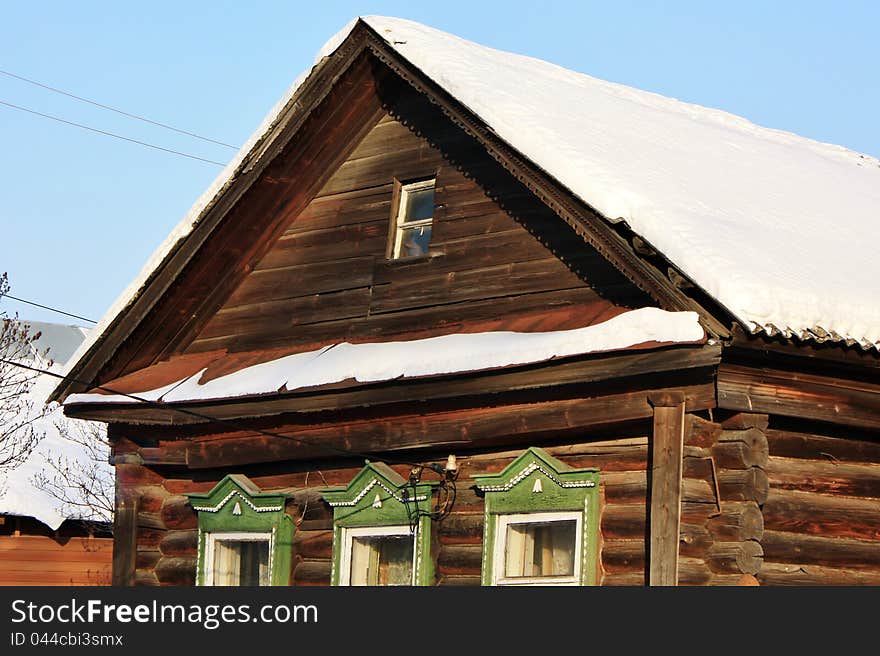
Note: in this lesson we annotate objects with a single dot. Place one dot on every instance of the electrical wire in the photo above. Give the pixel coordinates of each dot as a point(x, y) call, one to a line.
point(46, 307)
point(199, 415)
point(118, 111)
point(110, 134)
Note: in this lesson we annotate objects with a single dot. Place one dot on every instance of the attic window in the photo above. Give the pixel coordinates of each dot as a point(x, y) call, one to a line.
point(413, 218)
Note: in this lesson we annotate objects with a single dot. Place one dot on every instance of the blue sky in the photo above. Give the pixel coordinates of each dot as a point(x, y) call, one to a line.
point(81, 213)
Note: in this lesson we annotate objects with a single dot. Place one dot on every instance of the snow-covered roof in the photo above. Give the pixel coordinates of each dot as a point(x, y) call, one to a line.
point(432, 356)
point(57, 341)
point(19, 492)
point(774, 226)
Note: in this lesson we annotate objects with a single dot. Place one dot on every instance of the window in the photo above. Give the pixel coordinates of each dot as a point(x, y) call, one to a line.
point(381, 530)
point(413, 218)
point(237, 558)
point(245, 537)
point(538, 548)
point(541, 523)
point(377, 556)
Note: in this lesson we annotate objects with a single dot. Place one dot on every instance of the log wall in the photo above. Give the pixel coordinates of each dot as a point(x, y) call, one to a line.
point(167, 525)
point(822, 514)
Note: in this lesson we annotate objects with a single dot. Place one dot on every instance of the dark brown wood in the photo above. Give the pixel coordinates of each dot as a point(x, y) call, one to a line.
point(460, 429)
point(787, 547)
point(738, 521)
point(666, 489)
point(735, 557)
point(740, 449)
point(795, 394)
point(177, 570)
point(825, 477)
point(311, 572)
point(125, 540)
point(793, 574)
point(693, 571)
point(313, 544)
point(745, 420)
point(179, 543)
point(460, 559)
point(744, 485)
point(856, 448)
point(620, 556)
point(178, 513)
point(700, 432)
point(822, 514)
point(449, 579)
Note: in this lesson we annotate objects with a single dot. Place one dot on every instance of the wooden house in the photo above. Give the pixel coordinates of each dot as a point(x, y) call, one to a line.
point(458, 317)
point(43, 540)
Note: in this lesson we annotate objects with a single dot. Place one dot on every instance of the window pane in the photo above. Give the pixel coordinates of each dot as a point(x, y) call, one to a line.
point(241, 563)
point(419, 204)
point(414, 241)
point(540, 549)
point(382, 560)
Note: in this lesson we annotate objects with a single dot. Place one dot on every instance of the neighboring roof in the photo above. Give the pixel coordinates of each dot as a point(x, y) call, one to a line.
point(18, 493)
point(432, 356)
point(771, 225)
point(57, 341)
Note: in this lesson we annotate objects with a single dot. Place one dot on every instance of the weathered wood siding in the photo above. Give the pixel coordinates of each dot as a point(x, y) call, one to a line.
point(31, 554)
point(822, 515)
point(167, 525)
point(327, 277)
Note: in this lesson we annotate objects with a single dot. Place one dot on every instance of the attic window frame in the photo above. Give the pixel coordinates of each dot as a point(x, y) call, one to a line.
point(399, 225)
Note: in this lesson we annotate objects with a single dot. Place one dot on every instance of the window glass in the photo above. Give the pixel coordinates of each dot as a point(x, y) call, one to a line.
point(414, 241)
point(419, 204)
point(382, 560)
point(241, 562)
point(538, 549)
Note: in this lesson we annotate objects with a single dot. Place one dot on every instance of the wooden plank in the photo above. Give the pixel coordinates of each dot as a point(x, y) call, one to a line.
point(302, 280)
point(473, 284)
point(666, 467)
point(124, 540)
point(524, 312)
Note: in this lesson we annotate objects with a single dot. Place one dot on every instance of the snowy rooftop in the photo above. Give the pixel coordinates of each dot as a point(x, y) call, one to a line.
point(432, 356)
point(772, 225)
point(19, 492)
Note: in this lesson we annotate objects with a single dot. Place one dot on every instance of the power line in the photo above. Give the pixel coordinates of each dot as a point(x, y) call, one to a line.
point(109, 134)
point(118, 111)
point(199, 415)
point(46, 307)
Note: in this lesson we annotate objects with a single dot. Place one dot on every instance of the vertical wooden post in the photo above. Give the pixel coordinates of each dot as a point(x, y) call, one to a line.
point(124, 540)
point(666, 465)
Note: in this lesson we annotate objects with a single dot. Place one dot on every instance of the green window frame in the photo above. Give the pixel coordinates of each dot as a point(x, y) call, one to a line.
point(236, 518)
point(376, 514)
point(539, 500)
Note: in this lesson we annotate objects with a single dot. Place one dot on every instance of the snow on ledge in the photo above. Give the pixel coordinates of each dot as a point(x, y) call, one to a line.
point(447, 354)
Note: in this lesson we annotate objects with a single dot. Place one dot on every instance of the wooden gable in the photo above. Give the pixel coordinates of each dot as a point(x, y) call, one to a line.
point(494, 263)
point(300, 260)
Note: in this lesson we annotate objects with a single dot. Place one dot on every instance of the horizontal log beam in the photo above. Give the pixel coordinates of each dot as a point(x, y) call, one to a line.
point(458, 429)
point(795, 394)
